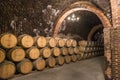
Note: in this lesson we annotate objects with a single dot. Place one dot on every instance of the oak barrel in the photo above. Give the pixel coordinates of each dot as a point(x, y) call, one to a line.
point(40, 41)
point(46, 52)
point(83, 43)
point(60, 42)
point(67, 59)
point(16, 54)
point(39, 64)
point(8, 40)
point(74, 58)
point(64, 51)
point(25, 41)
point(2, 55)
point(51, 42)
point(74, 43)
point(60, 60)
point(25, 66)
point(51, 62)
point(7, 70)
point(76, 50)
point(55, 51)
point(33, 53)
point(82, 49)
point(68, 42)
point(70, 50)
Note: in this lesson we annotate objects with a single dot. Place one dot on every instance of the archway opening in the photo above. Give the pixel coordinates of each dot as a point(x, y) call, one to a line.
point(82, 25)
point(83, 21)
point(96, 20)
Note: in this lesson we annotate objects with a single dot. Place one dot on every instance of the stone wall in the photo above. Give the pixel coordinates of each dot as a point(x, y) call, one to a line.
point(37, 16)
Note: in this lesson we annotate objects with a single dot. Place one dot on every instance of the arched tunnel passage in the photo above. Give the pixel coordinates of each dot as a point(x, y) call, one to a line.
point(82, 25)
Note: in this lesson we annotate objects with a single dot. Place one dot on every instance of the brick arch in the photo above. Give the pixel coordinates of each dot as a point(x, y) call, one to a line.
point(93, 30)
point(81, 5)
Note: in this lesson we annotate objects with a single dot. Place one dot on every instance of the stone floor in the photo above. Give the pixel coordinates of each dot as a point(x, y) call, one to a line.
point(90, 69)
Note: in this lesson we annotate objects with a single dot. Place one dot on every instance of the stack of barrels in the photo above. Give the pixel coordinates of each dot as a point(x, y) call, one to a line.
point(25, 53)
point(91, 49)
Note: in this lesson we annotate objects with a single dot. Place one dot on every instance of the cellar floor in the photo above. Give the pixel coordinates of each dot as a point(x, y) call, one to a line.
point(90, 69)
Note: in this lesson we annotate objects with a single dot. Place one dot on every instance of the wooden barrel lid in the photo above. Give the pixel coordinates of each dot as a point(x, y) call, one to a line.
point(40, 41)
point(74, 43)
point(67, 59)
point(64, 51)
point(56, 51)
point(69, 42)
point(46, 52)
point(83, 43)
point(52, 42)
point(25, 66)
point(8, 40)
point(74, 58)
point(51, 62)
point(60, 42)
point(2, 55)
point(39, 64)
point(76, 50)
point(60, 60)
point(70, 50)
point(25, 41)
point(16, 54)
point(82, 49)
point(33, 53)
point(7, 70)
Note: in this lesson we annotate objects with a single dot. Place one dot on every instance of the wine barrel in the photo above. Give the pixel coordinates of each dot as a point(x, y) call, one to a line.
point(7, 70)
point(70, 51)
point(76, 50)
point(74, 43)
point(55, 51)
point(46, 52)
point(25, 66)
point(40, 41)
point(16, 54)
point(88, 49)
point(60, 42)
point(2, 55)
point(51, 62)
point(74, 58)
point(60, 60)
point(64, 51)
point(8, 40)
point(33, 53)
point(25, 41)
point(82, 49)
point(51, 42)
point(83, 43)
point(39, 64)
point(67, 59)
point(68, 42)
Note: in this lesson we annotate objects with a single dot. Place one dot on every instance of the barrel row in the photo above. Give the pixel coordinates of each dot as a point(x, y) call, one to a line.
point(18, 53)
point(85, 43)
point(8, 40)
point(90, 49)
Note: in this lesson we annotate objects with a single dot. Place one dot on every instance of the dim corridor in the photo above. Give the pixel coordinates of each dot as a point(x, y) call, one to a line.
point(89, 69)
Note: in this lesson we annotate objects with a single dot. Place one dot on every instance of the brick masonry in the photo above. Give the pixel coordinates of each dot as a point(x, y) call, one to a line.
point(39, 16)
